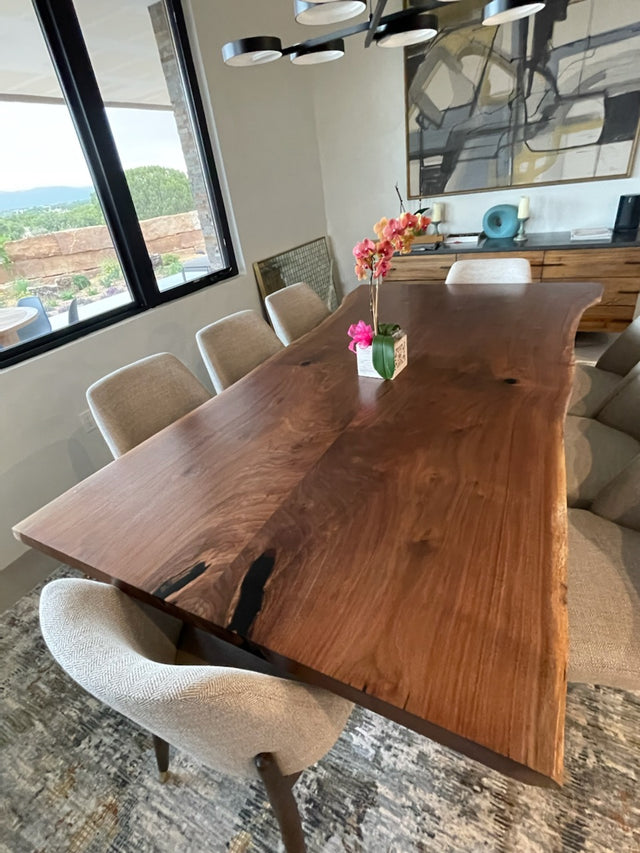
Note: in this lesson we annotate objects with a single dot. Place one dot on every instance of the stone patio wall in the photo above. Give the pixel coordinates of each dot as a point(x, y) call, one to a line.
point(83, 250)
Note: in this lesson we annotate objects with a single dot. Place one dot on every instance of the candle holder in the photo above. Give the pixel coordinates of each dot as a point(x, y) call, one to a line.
point(436, 226)
point(521, 237)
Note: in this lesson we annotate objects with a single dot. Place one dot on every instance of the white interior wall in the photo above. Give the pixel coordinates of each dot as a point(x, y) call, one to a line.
point(359, 104)
point(266, 129)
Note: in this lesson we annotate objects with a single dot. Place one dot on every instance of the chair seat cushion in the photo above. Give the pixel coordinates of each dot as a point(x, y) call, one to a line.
point(591, 389)
point(604, 602)
point(594, 454)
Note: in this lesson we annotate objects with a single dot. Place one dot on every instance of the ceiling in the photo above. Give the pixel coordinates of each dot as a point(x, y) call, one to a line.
point(120, 40)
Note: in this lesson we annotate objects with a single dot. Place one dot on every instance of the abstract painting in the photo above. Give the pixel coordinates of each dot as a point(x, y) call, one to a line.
point(550, 98)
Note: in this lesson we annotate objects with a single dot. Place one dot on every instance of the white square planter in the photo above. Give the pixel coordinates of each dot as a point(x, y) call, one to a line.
point(365, 357)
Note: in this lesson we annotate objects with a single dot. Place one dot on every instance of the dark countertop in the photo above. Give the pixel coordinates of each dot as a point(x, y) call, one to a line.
point(534, 242)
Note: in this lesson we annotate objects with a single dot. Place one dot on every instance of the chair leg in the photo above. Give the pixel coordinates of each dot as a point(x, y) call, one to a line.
point(162, 757)
point(282, 801)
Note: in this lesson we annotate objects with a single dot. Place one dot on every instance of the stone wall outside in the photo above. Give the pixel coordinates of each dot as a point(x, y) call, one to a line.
point(83, 250)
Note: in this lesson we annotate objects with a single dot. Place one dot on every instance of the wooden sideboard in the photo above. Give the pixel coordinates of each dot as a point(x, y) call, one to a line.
point(616, 266)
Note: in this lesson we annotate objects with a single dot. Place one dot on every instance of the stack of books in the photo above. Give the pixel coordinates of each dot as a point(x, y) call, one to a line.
point(462, 239)
point(596, 234)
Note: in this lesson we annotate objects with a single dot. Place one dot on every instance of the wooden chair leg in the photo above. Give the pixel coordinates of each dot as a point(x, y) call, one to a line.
point(282, 801)
point(162, 756)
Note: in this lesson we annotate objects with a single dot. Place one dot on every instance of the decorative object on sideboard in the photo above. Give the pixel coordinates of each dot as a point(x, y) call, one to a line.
point(523, 215)
point(596, 235)
point(501, 221)
point(409, 26)
point(437, 215)
point(628, 216)
point(381, 348)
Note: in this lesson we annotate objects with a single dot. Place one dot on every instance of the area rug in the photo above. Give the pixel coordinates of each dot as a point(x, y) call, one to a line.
point(78, 777)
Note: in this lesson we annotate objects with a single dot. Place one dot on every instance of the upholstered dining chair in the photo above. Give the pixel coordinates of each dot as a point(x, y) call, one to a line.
point(490, 271)
point(598, 449)
point(40, 325)
point(294, 311)
point(133, 403)
point(593, 384)
point(239, 722)
point(604, 585)
point(233, 346)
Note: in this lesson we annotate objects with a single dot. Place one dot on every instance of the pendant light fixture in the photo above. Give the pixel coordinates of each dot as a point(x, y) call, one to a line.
point(327, 12)
point(504, 11)
point(409, 26)
point(326, 52)
point(255, 50)
point(402, 32)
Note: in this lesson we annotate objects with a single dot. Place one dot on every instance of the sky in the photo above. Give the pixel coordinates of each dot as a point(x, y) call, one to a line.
point(39, 146)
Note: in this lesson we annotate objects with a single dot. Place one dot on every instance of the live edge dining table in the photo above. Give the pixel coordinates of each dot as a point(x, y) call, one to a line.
point(402, 543)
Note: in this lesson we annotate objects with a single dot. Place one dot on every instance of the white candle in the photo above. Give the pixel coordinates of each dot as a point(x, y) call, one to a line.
point(436, 215)
point(523, 207)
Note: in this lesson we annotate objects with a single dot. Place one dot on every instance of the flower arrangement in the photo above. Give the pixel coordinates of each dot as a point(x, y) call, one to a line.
point(373, 262)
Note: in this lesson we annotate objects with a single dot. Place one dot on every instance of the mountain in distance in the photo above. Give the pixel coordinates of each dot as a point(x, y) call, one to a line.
point(41, 197)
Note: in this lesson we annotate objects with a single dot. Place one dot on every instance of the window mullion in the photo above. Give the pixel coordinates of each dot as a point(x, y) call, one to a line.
point(72, 64)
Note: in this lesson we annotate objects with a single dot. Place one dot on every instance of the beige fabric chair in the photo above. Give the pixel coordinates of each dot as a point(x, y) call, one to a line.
point(239, 722)
point(594, 455)
point(233, 346)
point(594, 384)
point(591, 389)
point(133, 403)
point(490, 271)
point(623, 353)
point(622, 408)
point(604, 586)
point(294, 311)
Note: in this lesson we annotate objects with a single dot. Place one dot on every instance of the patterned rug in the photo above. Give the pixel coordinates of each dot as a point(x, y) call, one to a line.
point(78, 777)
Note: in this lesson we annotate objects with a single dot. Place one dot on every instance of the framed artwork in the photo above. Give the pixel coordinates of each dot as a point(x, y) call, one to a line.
point(550, 98)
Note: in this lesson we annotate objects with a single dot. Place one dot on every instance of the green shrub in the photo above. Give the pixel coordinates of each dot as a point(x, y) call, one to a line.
point(171, 265)
point(81, 282)
point(110, 272)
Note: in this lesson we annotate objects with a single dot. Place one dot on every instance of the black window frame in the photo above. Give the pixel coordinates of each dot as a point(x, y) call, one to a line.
point(68, 51)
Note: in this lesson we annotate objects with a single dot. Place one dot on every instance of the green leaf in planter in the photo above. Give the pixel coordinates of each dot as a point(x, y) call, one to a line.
point(387, 328)
point(383, 355)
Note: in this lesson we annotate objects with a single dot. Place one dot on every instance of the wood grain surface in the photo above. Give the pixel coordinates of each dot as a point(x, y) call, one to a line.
point(402, 543)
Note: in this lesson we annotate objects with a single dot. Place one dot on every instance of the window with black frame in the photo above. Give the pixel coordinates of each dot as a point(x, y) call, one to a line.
point(109, 201)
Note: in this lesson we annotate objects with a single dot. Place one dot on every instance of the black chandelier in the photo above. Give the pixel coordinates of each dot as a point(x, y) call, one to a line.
point(400, 29)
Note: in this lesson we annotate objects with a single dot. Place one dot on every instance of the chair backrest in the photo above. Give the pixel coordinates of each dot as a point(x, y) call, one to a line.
point(38, 326)
point(622, 409)
point(73, 312)
point(223, 717)
point(294, 311)
point(624, 352)
point(133, 403)
point(233, 346)
point(619, 501)
point(490, 271)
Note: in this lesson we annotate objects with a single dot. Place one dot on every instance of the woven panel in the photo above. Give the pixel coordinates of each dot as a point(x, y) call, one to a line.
point(310, 263)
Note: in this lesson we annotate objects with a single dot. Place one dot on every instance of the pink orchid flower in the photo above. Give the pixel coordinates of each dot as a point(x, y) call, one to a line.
point(381, 268)
point(393, 228)
point(408, 220)
point(363, 249)
point(361, 333)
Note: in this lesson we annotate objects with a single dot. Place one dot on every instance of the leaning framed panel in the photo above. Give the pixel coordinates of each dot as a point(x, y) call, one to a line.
point(310, 262)
point(401, 543)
